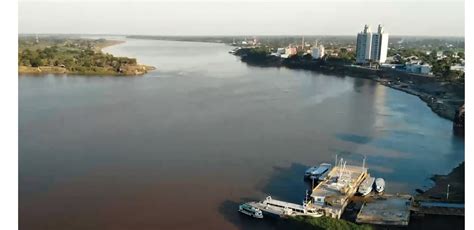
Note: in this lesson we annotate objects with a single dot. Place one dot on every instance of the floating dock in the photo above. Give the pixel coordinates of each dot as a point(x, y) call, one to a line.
point(333, 194)
point(386, 210)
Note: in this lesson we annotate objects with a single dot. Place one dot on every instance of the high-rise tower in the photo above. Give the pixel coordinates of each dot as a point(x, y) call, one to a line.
point(371, 47)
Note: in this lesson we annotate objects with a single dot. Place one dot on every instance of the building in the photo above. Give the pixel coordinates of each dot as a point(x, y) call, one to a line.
point(333, 194)
point(279, 52)
point(371, 47)
point(291, 50)
point(457, 68)
point(317, 51)
point(418, 68)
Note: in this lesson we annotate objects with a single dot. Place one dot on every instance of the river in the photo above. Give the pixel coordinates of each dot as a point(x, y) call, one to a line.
point(182, 146)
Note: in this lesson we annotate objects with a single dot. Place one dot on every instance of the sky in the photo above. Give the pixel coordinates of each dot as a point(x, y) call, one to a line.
point(180, 17)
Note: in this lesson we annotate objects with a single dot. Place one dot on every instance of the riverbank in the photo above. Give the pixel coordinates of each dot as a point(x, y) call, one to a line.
point(130, 70)
point(53, 55)
point(443, 98)
point(455, 180)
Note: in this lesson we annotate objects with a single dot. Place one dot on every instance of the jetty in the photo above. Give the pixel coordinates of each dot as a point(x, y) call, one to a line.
point(386, 210)
point(438, 208)
point(338, 188)
point(333, 194)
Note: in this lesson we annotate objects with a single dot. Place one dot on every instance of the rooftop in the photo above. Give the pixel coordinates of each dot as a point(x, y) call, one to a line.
point(341, 182)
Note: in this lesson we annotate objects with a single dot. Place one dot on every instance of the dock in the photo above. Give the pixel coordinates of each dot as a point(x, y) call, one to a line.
point(338, 188)
point(333, 194)
point(386, 210)
point(438, 208)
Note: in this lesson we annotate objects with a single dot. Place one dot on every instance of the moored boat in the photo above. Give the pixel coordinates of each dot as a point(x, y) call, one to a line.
point(315, 172)
point(250, 211)
point(366, 186)
point(379, 184)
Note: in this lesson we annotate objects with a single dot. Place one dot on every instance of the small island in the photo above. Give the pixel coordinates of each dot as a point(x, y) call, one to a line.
point(79, 56)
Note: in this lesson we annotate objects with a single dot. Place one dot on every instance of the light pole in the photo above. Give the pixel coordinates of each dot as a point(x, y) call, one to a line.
point(447, 192)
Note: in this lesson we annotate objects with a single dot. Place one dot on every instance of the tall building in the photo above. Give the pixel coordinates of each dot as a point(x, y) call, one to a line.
point(317, 51)
point(371, 47)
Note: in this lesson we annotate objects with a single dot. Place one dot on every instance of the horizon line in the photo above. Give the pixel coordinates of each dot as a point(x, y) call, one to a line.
point(242, 35)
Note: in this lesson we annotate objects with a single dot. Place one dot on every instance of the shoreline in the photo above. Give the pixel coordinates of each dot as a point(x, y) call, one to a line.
point(127, 70)
point(108, 43)
point(443, 105)
point(455, 179)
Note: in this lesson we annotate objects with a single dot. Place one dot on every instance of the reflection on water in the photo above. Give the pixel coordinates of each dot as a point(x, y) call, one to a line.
point(182, 146)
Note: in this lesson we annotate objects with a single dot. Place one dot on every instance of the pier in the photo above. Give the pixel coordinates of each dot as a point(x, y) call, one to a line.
point(337, 189)
point(386, 210)
point(333, 194)
point(438, 208)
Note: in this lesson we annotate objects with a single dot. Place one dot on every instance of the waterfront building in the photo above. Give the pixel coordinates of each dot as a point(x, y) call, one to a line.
point(418, 68)
point(457, 67)
point(317, 51)
point(291, 50)
point(371, 47)
point(279, 52)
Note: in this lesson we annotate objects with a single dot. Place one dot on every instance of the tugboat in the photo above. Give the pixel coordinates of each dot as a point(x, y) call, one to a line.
point(366, 186)
point(379, 185)
point(250, 211)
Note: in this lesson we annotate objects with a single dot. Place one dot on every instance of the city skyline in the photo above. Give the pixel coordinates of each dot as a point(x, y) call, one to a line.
point(404, 18)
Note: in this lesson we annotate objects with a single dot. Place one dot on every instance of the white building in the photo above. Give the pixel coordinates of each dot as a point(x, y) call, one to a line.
point(371, 46)
point(317, 52)
point(457, 67)
point(291, 50)
point(418, 68)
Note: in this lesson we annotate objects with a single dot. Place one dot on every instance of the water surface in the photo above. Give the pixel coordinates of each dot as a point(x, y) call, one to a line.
point(181, 147)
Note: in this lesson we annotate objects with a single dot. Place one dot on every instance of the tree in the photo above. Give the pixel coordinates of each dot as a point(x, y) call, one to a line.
point(36, 61)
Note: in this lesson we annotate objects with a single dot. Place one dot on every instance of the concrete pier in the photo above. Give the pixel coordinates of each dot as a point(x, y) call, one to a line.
point(386, 210)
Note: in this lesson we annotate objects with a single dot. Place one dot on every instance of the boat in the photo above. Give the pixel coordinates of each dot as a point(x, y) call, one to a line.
point(283, 208)
point(324, 176)
point(366, 186)
point(379, 184)
point(315, 172)
point(250, 211)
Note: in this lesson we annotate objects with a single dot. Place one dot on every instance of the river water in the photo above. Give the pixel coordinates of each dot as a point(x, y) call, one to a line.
point(181, 147)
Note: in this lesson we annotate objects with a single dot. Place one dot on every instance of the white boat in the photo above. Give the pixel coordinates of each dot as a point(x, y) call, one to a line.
point(315, 172)
point(379, 184)
point(250, 211)
point(366, 186)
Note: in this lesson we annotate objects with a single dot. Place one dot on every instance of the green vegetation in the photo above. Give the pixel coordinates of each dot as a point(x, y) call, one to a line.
point(78, 56)
point(440, 66)
point(347, 56)
point(326, 223)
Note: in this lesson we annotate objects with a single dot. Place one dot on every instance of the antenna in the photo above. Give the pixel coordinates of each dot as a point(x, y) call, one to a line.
point(363, 162)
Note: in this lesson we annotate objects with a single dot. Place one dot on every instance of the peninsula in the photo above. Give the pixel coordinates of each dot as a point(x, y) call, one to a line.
point(79, 56)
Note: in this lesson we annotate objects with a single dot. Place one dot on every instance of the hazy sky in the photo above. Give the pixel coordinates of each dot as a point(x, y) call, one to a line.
point(317, 17)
